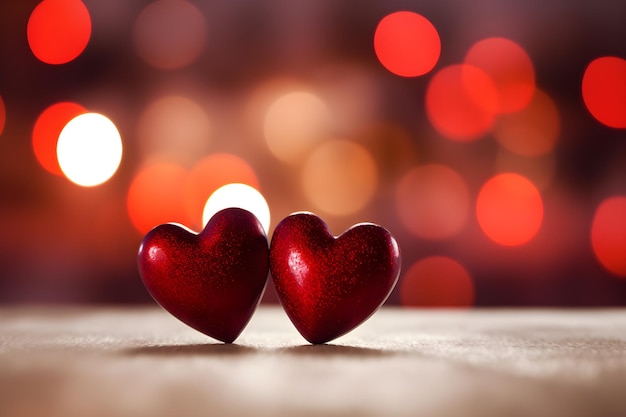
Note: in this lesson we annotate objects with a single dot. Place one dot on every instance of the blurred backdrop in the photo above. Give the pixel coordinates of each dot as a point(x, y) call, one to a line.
point(488, 136)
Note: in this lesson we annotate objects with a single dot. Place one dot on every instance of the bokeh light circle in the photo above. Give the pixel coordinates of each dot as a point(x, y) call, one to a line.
point(437, 281)
point(509, 209)
point(608, 234)
point(175, 128)
point(604, 90)
point(209, 174)
point(47, 130)
point(155, 196)
point(238, 195)
point(58, 30)
point(461, 102)
point(433, 201)
point(340, 177)
point(510, 68)
point(407, 44)
point(294, 122)
point(170, 34)
point(89, 149)
point(532, 131)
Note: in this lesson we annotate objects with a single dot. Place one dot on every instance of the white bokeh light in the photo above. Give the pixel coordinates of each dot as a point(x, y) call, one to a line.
point(238, 195)
point(89, 149)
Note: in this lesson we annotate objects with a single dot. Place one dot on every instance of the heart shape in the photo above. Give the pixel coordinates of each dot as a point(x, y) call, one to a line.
point(329, 285)
point(212, 281)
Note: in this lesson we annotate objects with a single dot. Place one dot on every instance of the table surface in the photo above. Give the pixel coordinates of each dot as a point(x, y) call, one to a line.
point(95, 361)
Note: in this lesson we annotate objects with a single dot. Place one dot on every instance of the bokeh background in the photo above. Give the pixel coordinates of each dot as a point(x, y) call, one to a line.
point(487, 136)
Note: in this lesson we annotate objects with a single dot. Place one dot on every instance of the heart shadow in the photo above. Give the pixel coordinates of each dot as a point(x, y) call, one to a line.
point(328, 349)
point(192, 349)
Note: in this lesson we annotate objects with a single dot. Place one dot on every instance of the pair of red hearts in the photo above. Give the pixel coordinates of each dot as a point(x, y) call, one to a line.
point(213, 281)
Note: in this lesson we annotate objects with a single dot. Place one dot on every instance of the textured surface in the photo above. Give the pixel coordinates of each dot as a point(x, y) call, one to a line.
point(329, 285)
point(113, 362)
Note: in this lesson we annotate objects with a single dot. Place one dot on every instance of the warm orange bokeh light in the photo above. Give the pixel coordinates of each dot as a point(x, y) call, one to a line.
point(340, 177)
point(209, 174)
point(433, 201)
point(58, 30)
point(437, 281)
point(407, 44)
point(461, 101)
point(509, 209)
point(3, 115)
point(532, 131)
point(170, 34)
point(156, 196)
point(510, 68)
point(46, 133)
point(294, 123)
point(608, 234)
point(604, 90)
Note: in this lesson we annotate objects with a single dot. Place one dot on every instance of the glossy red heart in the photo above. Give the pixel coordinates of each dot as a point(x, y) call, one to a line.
point(329, 285)
point(212, 281)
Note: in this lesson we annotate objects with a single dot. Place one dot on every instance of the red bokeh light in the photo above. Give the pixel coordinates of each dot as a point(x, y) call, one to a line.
point(604, 90)
point(510, 68)
point(461, 101)
point(608, 234)
point(156, 196)
point(170, 34)
point(532, 131)
point(46, 133)
point(437, 281)
point(509, 209)
point(209, 174)
point(58, 30)
point(407, 44)
point(433, 201)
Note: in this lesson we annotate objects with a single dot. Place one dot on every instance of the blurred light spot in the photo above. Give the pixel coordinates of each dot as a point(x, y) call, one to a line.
point(510, 68)
point(433, 201)
point(209, 174)
point(3, 115)
point(340, 177)
point(89, 149)
point(539, 170)
point(175, 127)
point(293, 123)
point(47, 130)
point(461, 101)
point(532, 131)
point(509, 209)
point(407, 44)
point(170, 34)
point(58, 30)
point(604, 90)
point(392, 147)
point(437, 281)
point(155, 196)
point(608, 234)
point(238, 195)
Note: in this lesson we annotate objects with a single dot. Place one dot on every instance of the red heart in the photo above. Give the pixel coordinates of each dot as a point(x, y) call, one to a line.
point(329, 285)
point(213, 280)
